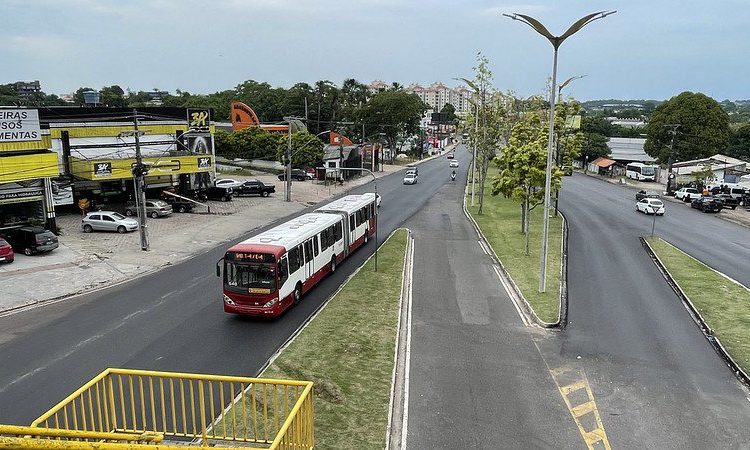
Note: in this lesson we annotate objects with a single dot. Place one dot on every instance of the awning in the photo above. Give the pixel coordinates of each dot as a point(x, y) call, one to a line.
point(28, 167)
point(603, 162)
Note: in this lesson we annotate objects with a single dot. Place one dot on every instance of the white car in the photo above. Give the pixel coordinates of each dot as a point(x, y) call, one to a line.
point(411, 178)
point(228, 182)
point(687, 194)
point(108, 221)
point(377, 200)
point(454, 163)
point(650, 205)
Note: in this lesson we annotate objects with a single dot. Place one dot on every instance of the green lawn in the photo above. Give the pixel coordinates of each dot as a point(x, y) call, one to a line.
point(348, 350)
point(501, 224)
point(724, 305)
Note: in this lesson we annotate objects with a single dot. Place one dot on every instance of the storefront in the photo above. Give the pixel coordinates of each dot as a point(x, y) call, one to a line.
point(26, 169)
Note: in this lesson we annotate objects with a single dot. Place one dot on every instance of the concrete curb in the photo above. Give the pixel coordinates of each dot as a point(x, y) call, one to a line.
point(562, 312)
point(695, 314)
point(398, 404)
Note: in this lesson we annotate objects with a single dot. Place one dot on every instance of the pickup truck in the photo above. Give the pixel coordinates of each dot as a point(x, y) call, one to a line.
point(728, 201)
point(254, 187)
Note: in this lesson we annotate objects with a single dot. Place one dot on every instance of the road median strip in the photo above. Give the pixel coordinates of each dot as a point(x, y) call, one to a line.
point(347, 350)
point(499, 226)
point(718, 304)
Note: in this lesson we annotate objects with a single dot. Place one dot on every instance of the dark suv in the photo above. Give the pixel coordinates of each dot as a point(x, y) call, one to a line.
point(297, 174)
point(707, 204)
point(255, 187)
point(216, 193)
point(31, 240)
point(727, 201)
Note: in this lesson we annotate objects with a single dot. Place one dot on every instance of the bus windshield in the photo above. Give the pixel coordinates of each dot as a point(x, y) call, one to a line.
point(251, 276)
point(647, 170)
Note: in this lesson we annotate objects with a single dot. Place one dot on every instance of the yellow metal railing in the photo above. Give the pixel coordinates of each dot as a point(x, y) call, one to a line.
point(122, 408)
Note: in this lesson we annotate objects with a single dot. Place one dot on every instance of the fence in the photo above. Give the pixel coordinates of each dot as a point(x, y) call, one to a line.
point(145, 407)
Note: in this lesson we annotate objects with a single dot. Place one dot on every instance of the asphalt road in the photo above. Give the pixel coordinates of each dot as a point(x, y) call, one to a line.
point(171, 320)
point(657, 381)
point(477, 378)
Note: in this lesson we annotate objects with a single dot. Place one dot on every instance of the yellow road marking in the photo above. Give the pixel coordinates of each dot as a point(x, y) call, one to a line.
point(582, 410)
point(590, 437)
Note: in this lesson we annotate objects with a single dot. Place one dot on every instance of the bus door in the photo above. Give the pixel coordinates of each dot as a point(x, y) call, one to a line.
point(309, 260)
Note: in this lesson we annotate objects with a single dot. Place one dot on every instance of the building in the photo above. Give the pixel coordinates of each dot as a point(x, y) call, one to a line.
point(725, 168)
point(377, 86)
point(336, 157)
point(70, 153)
point(602, 166)
point(26, 89)
point(628, 150)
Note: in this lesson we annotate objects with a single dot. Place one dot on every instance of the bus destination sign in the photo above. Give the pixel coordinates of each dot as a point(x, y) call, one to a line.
point(250, 257)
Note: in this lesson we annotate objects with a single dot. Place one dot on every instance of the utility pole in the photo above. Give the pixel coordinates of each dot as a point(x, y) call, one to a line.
point(288, 196)
point(673, 131)
point(306, 112)
point(139, 172)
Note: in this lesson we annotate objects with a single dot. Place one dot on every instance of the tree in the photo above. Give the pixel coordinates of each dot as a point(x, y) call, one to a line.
point(223, 144)
point(450, 113)
point(394, 113)
point(113, 96)
point(595, 130)
point(739, 143)
point(254, 143)
point(307, 150)
point(704, 128)
point(522, 165)
point(700, 176)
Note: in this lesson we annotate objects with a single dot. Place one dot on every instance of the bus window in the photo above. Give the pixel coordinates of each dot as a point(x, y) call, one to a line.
point(308, 251)
point(315, 245)
point(294, 260)
point(351, 222)
point(338, 232)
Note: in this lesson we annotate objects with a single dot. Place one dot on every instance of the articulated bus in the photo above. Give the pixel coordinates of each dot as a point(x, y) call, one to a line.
point(640, 171)
point(268, 273)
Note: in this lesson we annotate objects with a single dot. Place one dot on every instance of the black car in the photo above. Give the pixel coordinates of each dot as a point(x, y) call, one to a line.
point(640, 195)
point(216, 193)
point(31, 240)
point(727, 201)
point(180, 205)
point(255, 187)
point(297, 174)
point(707, 204)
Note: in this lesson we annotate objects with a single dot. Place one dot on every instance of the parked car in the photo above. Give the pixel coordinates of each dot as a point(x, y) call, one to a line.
point(31, 240)
point(707, 204)
point(454, 163)
point(567, 170)
point(108, 221)
point(650, 206)
point(179, 204)
point(227, 182)
point(6, 252)
point(727, 201)
point(640, 195)
point(154, 208)
point(297, 174)
point(410, 178)
point(412, 169)
point(687, 194)
point(216, 193)
point(255, 187)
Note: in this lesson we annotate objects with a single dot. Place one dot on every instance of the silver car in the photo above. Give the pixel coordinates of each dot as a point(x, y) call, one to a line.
point(108, 221)
point(154, 208)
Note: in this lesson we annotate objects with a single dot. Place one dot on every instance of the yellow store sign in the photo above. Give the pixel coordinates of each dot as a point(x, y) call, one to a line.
point(116, 169)
point(28, 167)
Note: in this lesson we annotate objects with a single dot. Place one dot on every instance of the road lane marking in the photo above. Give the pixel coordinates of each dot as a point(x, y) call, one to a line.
point(407, 361)
point(510, 295)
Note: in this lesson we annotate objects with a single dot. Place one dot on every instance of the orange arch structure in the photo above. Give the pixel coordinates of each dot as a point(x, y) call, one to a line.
point(243, 116)
point(338, 139)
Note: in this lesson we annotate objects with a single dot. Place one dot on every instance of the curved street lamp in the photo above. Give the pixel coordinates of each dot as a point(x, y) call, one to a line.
point(556, 41)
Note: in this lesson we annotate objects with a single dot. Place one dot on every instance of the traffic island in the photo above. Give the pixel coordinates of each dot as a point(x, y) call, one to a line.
point(718, 304)
point(347, 350)
point(500, 223)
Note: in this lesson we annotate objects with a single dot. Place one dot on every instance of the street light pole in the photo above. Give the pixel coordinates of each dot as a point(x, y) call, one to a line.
point(556, 41)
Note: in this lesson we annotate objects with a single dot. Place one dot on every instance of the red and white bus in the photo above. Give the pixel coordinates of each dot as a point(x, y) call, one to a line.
point(266, 274)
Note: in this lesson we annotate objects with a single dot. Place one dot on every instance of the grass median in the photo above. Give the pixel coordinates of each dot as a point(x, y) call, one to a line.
point(724, 304)
point(347, 351)
point(501, 224)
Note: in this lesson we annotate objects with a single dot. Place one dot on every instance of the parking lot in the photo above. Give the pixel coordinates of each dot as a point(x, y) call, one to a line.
point(88, 260)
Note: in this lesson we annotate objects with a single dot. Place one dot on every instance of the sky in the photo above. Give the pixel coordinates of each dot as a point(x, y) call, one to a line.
point(649, 49)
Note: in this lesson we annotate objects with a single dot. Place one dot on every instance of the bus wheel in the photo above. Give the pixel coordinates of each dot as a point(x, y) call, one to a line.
point(333, 264)
point(297, 293)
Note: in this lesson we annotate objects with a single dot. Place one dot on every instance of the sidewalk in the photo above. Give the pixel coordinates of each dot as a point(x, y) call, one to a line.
point(87, 261)
point(739, 216)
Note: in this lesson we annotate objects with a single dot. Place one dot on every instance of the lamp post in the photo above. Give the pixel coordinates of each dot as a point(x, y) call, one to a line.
point(477, 93)
point(556, 41)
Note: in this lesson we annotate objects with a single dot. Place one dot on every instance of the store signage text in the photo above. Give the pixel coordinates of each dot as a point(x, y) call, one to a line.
point(19, 125)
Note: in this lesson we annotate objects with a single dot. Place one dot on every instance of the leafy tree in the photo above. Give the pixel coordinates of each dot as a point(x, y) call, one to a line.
point(700, 176)
point(450, 112)
point(739, 143)
point(394, 113)
point(307, 150)
point(522, 165)
point(254, 143)
point(113, 96)
point(223, 144)
point(594, 145)
point(704, 128)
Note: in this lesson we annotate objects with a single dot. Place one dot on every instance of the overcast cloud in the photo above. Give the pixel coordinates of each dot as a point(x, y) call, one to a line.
point(649, 49)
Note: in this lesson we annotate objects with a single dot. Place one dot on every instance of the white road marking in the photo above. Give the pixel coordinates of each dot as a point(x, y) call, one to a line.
point(512, 298)
point(407, 362)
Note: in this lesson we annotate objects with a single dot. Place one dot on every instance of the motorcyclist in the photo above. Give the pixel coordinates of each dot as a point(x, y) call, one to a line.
point(453, 176)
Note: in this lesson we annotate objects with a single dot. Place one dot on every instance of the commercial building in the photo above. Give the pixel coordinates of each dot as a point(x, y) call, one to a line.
point(26, 89)
point(435, 95)
point(90, 152)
